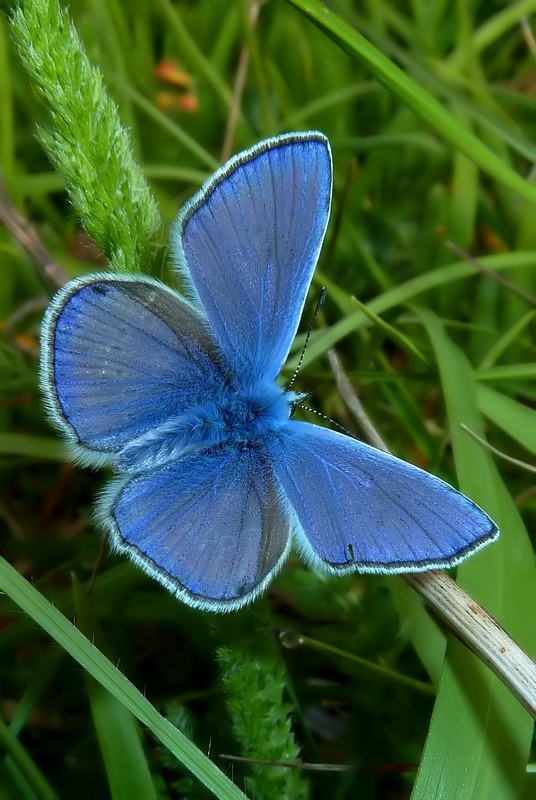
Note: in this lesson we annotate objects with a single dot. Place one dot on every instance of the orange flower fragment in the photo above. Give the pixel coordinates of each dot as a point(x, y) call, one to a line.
point(168, 101)
point(170, 72)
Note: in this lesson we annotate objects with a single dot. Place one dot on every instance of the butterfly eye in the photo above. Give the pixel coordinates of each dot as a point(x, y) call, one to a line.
point(295, 400)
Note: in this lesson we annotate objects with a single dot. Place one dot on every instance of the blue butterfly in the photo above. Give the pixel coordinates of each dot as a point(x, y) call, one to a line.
point(180, 397)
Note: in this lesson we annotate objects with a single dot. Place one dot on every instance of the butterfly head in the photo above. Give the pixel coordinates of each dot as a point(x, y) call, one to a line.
point(295, 400)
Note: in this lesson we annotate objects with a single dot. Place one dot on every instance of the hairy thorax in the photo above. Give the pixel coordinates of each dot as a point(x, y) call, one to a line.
point(241, 418)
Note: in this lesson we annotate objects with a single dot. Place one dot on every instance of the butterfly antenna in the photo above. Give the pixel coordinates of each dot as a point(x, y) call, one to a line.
point(319, 304)
point(328, 419)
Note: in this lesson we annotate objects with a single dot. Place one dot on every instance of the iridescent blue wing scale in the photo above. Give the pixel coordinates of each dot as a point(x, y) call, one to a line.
point(248, 243)
point(120, 355)
point(357, 508)
point(211, 527)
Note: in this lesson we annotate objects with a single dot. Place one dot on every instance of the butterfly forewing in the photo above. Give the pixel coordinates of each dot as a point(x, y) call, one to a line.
point(120, 356)
point(360, 508)
point(248, 244)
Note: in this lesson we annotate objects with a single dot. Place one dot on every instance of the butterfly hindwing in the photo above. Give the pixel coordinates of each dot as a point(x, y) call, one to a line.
point(248, 243)
point(211, 527)
point(119, 356)
point(358, 508)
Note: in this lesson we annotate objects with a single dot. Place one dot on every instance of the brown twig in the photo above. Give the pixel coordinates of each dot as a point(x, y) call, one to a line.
point(28, 308)
point(494, 276)
point(27, 236)
point(311, 767)
point(240, 82)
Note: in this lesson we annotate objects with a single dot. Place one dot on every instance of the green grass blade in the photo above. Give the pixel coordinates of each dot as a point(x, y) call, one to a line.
point(92, 660)
point(321, 341)
point(427, 638)
point(119, 738)
point(515, 419)
point(418, 100)
point(39, 684)
point(187, 141)
point(7, 130)
point(28, 772)
point(492, 29)
point(438, 79)
point(192, 53)
point(506, 339)
point(300, 117)
point(508, 372)
point(480, 735)
point(390, 331)
point(40, 447)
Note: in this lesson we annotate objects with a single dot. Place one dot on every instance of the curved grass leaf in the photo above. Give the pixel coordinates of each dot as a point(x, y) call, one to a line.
point(128, 773)
point(515, 419)
point(97, 665)
point(480, 736)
